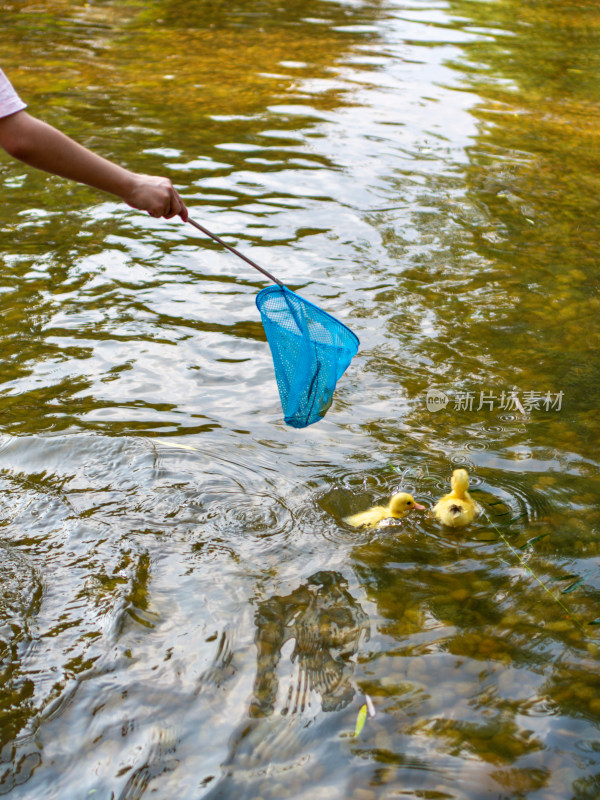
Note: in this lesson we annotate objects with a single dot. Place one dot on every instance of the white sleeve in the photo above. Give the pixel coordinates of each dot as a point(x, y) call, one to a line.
point(10, 102)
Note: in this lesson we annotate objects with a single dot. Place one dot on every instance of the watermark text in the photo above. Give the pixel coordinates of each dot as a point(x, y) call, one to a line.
point(489, 400)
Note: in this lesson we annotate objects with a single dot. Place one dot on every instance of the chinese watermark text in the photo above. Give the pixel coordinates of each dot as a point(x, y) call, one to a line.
point(486, 400)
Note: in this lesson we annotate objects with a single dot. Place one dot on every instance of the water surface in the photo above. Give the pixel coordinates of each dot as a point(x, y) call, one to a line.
point(184, 612)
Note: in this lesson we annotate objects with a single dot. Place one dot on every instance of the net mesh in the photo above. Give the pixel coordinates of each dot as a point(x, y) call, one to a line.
point(311, 351)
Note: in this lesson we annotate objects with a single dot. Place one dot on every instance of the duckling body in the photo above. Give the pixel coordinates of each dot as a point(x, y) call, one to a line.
point(399, 506)
point(458, 508)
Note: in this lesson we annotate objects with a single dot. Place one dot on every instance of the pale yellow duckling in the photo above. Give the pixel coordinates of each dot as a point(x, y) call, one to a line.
point(399, 506)
point(458, 508)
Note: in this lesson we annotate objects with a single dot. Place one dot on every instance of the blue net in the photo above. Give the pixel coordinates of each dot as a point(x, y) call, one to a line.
point(311, 351)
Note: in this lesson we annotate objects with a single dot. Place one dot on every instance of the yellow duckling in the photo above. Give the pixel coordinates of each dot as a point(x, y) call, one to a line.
point(399, 506)
point(458, 508)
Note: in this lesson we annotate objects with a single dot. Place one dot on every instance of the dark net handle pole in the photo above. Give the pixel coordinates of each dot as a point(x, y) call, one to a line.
point(234, 251)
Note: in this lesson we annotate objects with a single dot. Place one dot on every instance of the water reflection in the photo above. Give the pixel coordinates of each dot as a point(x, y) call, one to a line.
point(20, 596)
point(306, 646)
point(530, 168)
point(111, 286)
point(470, 670)
point(326, 625)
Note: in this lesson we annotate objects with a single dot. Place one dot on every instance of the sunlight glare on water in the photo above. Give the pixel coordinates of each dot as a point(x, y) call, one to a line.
point(184, 611)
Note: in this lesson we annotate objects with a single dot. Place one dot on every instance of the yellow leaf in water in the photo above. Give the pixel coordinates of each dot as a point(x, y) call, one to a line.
point(360, 720)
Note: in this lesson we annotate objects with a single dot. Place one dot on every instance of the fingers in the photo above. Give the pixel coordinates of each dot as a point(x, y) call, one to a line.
point(168, 203)
point(179, 208)
point(183, 213)
point(176, 206)
point(157, 196)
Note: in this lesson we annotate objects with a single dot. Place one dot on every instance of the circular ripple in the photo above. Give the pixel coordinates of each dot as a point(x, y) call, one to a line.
point(475, 480)
point(232, 497)
point(259, 515)
point(475, 447)
point(510, 500)
point(461, 460)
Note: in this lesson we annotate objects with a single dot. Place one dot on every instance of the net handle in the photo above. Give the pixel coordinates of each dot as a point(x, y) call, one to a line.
point(234, 251)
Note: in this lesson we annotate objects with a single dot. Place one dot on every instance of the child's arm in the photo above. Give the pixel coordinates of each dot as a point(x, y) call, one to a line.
point(40, 145)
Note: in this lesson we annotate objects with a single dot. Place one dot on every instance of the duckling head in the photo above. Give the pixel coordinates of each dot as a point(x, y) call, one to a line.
point(402, 503)
point(460, 482)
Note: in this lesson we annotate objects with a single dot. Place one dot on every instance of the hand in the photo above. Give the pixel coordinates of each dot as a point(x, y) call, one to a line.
point(155, 195)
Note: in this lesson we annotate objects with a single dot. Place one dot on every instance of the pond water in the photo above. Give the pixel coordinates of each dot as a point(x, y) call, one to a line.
point(184, 612)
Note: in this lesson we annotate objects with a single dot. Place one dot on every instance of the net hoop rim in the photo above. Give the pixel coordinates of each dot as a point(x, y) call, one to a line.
point(282, 289)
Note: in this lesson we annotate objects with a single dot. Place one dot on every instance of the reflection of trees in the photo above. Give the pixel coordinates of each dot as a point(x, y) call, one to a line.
point(256, 14)
point(326, 624)
point(513, 275)
point(532, 178)
point(227, 57)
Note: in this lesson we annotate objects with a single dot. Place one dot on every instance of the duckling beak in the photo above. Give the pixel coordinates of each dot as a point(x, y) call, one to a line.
point(419, 507)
